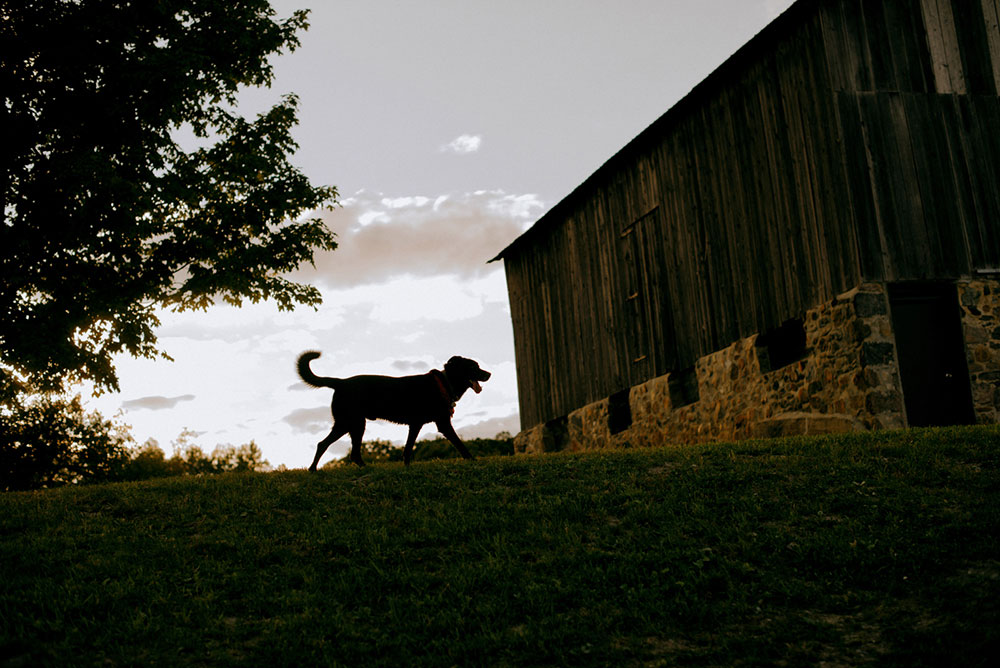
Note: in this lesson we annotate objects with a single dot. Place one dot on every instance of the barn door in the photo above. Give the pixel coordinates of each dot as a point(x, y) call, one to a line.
point(648, 327)
point(635, 327)
point(930, 348)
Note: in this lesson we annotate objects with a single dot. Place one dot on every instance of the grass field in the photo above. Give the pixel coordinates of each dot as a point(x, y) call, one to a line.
point(873, 549)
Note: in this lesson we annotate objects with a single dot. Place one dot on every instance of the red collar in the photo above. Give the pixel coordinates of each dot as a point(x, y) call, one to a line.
point(443, 384)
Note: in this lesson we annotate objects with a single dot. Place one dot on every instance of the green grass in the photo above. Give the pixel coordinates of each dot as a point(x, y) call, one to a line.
point(874, 549)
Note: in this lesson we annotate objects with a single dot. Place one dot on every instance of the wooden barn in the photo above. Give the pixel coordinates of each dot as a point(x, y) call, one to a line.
point(808, 241)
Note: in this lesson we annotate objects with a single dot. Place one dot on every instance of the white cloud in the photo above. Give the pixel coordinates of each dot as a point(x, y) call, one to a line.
point(491, 427)
point(156, 403)
point(463, 144)
point(309, 420)
point(381, 238)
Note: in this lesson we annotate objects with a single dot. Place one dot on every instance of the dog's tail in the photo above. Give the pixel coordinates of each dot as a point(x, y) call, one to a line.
point(308, 377)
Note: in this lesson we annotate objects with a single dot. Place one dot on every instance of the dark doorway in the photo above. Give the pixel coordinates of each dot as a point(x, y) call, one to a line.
point(930, 348)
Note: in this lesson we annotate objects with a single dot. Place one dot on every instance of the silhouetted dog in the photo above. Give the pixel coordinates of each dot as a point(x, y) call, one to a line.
point(409, 400)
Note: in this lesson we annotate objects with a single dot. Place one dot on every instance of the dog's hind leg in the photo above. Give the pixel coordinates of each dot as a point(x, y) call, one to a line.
point(321, 447)
point(357, 430)
point(410, 440)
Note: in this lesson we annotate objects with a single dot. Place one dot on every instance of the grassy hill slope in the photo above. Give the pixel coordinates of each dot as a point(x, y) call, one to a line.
point(876, 548)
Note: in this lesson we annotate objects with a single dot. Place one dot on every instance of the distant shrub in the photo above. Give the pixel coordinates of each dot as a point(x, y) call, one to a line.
point(149, 461)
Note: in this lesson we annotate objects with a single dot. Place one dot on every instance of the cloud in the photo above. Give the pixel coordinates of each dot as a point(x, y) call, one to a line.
point(492, 427)
point(381, 238)
point(410, 367)
point(463, 144)
point(155, 403)
point(309, 420)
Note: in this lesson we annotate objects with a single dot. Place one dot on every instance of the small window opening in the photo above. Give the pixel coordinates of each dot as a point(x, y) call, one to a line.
point(557, 434)
point(683, 386)
point(619, 412)
point(782, 345)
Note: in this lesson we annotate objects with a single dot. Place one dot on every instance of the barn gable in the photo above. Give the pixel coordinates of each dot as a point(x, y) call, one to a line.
point(848, 151)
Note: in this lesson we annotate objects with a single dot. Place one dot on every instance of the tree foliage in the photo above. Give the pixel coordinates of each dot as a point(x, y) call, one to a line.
point(48, 442)
point(149, 461)
point(107, 217)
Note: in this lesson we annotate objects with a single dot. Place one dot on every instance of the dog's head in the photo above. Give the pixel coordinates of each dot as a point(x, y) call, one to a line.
point(464, 373)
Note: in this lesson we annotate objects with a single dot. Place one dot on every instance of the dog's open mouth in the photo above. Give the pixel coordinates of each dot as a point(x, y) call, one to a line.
point(476, 387)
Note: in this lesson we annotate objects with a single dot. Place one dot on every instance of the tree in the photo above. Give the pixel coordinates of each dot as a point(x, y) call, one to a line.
point(49, 442)
point(148, 461)
point(106, 216)
point(247, 457)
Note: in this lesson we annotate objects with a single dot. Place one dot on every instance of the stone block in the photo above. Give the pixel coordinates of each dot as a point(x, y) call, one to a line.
point(786, 424)
point(884, 402)
point(867, 304)
point(877, 353)
point(802, 424)
point(969, 295)
point(530, 441)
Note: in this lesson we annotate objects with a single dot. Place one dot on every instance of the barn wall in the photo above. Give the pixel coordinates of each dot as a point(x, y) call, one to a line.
point(851, 141)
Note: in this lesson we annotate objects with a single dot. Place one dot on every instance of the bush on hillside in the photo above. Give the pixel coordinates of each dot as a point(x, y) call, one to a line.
point(49, 441)
point(149, 461)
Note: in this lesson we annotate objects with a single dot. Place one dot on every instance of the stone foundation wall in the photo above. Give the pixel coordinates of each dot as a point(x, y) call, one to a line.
point(980, 303)
point(846, 380)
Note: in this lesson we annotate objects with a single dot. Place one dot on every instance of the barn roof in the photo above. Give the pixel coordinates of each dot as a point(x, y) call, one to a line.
point(762, 43)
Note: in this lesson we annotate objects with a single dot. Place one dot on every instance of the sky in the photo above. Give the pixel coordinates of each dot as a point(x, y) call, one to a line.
point(448, 128)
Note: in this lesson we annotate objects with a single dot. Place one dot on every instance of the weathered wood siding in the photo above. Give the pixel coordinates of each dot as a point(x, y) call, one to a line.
point(850, 140)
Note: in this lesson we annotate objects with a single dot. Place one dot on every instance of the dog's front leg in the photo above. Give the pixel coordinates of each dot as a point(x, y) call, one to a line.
point(411, 439)
point(321, 447)
point(444, 426)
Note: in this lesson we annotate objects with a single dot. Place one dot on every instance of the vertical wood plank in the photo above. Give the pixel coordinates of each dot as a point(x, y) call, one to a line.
point(934, 175)
point(877, 36)
point(951, 51)
point(980, 116)
point(856, 39)
point(880, 138)
point(974, 47)
point(912, 241)
point(858, 167)
point(935, 45)
point(991, 24)
point(958, 149)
